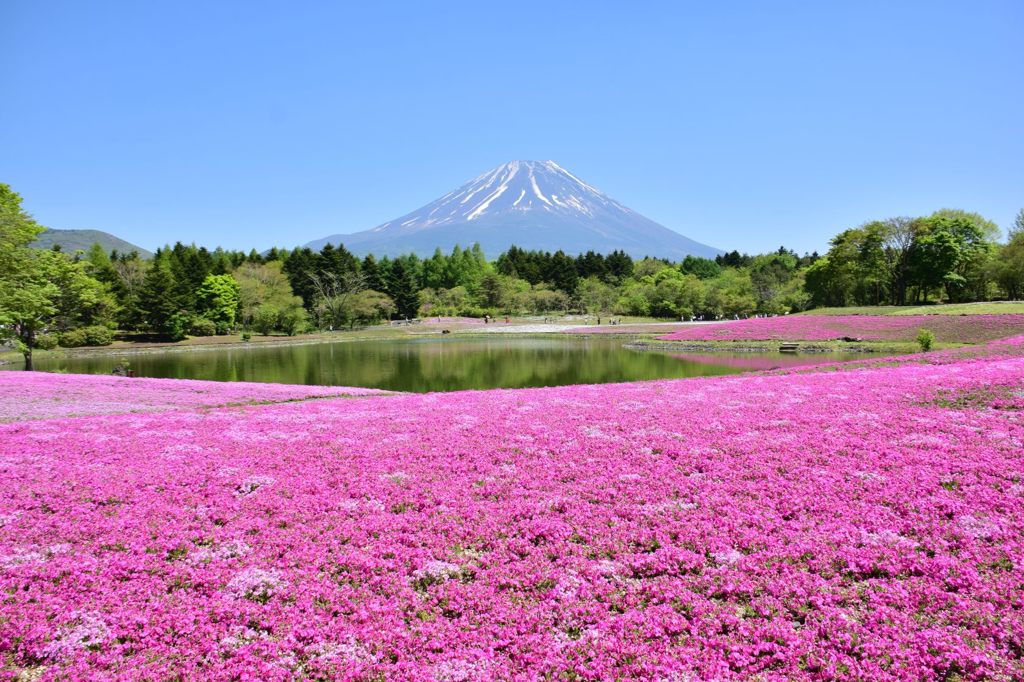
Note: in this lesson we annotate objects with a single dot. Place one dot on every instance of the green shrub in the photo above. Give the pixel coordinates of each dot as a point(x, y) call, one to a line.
point(925, 339)
point(246, 336)
point(293, 321)
point(87, 336)
point(202, 327)
point(176, 327)
point(46, 341)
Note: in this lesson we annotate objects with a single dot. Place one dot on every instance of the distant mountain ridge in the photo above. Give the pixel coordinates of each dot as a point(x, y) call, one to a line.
point(531, 204)
point(75, 240)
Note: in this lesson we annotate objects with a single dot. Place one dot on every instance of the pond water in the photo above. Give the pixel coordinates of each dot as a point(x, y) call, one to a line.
point(435, 364)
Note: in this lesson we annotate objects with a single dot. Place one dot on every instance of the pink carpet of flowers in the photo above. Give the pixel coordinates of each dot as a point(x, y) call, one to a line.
point(964, 328)
point(862, 524)
point(37, 395)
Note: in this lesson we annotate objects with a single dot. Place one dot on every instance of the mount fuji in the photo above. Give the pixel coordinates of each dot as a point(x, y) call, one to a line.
point(531, 204)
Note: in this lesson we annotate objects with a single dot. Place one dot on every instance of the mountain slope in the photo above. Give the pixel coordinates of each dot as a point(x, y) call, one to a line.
point(532, 204)
point(74, 240)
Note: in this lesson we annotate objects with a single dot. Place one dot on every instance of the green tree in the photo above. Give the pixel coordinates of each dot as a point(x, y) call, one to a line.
point(42, 291)
point(703, 268)
point(217, 300)
point(504, 293)
point(898, 247)
point(81, 301)
point(635, 298)
point(264, 285)
point(562, 273)
point(769, 274)
point(1018, 225)
point(676, 294)
point(26, 296)
point(160, 310)
point(595, 297)
point(436, 271)
point(541, 298)
point(372, 275)
point(951, 253)
point(730, 294)
point(402, 289)
point(1007, 266)
point(369, 306)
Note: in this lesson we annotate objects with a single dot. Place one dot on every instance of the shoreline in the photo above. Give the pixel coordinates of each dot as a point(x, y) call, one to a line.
point(635, 336)
point(804, 348)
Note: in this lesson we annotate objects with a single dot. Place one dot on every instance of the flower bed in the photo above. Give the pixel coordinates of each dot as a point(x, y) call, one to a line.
point(858, 525)
point(947, 328)
point(38, 395)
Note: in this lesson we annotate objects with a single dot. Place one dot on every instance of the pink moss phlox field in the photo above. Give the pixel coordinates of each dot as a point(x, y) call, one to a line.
point(965, 328)
point(37, 395)
point(861, 524)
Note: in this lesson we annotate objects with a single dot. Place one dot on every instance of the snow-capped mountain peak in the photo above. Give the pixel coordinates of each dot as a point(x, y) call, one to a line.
point(532, 204)
point(516, 186)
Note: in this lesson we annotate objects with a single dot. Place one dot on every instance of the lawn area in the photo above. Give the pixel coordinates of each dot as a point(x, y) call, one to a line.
point(805, 526)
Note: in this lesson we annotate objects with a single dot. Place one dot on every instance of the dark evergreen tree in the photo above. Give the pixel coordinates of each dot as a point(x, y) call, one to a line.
point(401, 287)
point(591, 264)
point(620, 266)
point(299, 267)
point(561, 273)
point(160, 308)
point(372, 276)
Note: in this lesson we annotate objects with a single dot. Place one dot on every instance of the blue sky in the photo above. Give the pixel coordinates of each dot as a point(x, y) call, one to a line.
point(742, 125)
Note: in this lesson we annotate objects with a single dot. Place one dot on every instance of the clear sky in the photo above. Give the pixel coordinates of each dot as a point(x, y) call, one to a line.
point(742, 125)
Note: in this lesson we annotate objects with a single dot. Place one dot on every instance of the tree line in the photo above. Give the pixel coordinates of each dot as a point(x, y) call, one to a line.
point(951, 255)
point(49, 298)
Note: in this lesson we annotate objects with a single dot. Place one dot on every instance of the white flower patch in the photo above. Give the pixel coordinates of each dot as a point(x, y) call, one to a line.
point(85, 631)
point(886, 538)
point(458, 670)
point(609, 568)
point(228, 550)
point(241, 636)
point(22, 557)
point(925, 440)
point(569, 585)
point(252, 484)
point(981, 529)
point(437, 571)
point(256, 584)
point(728, 557)
point(182, 450)
point(349, 651)
point(396, 477)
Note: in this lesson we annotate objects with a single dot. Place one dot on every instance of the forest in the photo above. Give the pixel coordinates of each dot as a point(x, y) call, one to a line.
point(50, 298)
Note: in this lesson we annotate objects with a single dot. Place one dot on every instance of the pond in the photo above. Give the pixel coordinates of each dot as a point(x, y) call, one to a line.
point(434, 364)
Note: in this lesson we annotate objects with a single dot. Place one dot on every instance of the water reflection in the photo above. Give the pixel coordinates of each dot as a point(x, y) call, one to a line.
point(435, 364)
